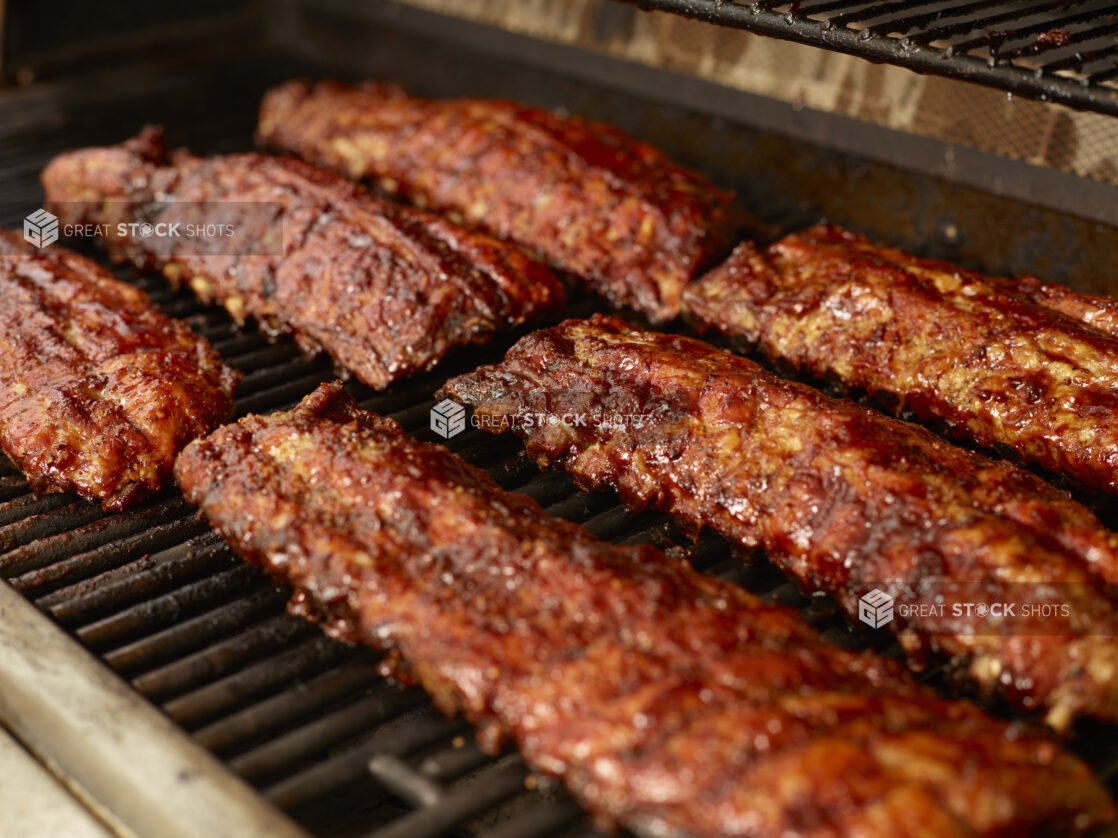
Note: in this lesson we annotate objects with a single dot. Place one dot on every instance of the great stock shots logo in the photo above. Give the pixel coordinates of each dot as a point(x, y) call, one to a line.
point(875, 609)
point(448, 419)
point(40, 228)
point(184, 228)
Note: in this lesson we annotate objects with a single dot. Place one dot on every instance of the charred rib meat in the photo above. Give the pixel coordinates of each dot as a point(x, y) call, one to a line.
point(98, 390)
point(1024, 365)
point(586, 197)
point(386, 290)
point(1098, 312)
point(844, 499)
point(670, 702)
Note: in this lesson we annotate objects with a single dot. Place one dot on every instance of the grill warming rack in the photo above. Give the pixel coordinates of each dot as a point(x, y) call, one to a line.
point(1063, 51)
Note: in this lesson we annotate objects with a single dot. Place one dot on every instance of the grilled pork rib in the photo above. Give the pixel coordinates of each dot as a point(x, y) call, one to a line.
point(670, 702)
point(587, 198)
point(842, 498)
point(1100, 313)
point(1000, 362)
point(386, 290)
point(98, 390)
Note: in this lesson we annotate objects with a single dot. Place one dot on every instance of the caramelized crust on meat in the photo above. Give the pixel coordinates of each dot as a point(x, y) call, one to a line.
point(586, 197)
point(98, 390)
point(670, 702)
point(1100, 313)
point(842, 498)
point(1000, 362)
point(385, 290)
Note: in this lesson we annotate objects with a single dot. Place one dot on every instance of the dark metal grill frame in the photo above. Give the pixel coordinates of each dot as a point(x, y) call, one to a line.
point(308, 722)
point(1063, 51)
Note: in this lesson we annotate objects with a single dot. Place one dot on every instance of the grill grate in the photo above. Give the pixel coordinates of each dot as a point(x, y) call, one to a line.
point(159, 599)
point(1063, 51)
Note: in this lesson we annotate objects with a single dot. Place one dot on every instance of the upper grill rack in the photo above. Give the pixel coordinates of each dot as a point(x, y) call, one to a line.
point(1063, 51)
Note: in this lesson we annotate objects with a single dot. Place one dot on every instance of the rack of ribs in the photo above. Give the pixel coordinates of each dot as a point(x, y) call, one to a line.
point(1094, 310)
point(1002, 362)
point(98, 389)
point(386, 290)
point(642, 684)
point(587, 198)
point(842, 498)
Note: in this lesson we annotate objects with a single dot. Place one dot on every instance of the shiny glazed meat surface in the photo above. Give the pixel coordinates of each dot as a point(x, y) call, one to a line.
point(843, 498)
point(584, 196)
point(98, 390)
point(670, 702)
point(386, 290)
point(1008, 362)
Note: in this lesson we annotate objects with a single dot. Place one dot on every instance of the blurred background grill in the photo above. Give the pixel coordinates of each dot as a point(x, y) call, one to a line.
point(160, 601)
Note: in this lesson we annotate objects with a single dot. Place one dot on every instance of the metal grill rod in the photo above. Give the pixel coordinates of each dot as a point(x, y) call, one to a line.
point(82, 718)
point(913, 50)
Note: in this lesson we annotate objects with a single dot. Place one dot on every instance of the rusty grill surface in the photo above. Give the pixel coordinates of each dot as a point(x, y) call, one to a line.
point(1061, 50)
point(307, 721)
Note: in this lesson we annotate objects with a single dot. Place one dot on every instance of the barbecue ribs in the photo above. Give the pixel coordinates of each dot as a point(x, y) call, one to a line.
point(587, 198)
point(672, 703)
point(1024, 365)
point(1098, 312)
point(98, 390)
point(844, 499)
point(386, 290)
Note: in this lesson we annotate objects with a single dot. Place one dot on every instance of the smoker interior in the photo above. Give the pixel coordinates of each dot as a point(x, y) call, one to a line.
point(308, 721)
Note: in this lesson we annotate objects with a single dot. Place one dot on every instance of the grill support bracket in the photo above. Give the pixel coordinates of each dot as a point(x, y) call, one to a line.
point(75, 713)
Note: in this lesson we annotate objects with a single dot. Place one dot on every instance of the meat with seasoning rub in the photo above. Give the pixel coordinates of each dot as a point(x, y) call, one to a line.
point(1020, 364)
point(98, 390)
point(1096, 311)
point(584, 196)
point(386, 290)
point(669, 702)
point(844, 499)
